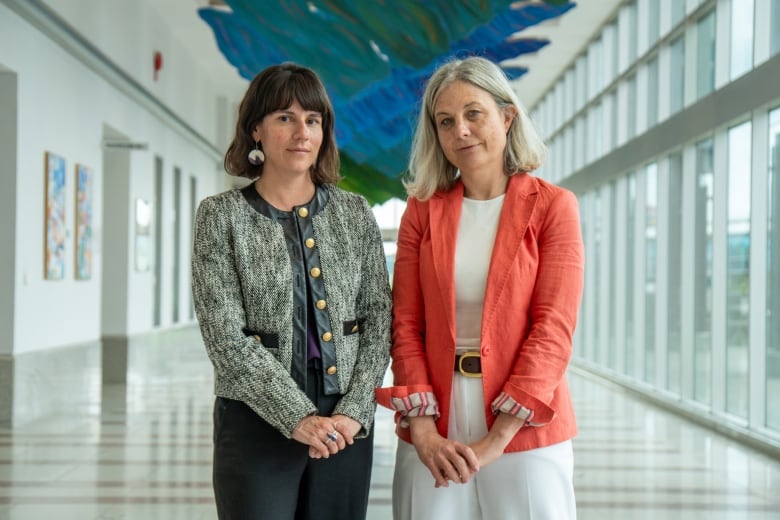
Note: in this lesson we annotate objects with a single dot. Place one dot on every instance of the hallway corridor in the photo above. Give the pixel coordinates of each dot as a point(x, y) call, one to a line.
point(144, 452)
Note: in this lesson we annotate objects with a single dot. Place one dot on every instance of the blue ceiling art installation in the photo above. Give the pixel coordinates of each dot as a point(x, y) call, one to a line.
point(374, 58)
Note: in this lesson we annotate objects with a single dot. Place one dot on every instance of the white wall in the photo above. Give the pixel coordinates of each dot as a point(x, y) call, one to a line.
point(131, 31)
point(62, 107)
point(8, 92)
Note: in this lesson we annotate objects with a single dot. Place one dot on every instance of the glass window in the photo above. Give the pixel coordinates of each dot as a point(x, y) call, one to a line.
point(580, 143)
point(774, 31)
point(613, 120)
point(738, 270)
point(651, 233)
point(540, 116)
point(612, 340)
point(632, 31)
point(596, 280)
point(705, 59)
point(674, 268)
point(773, 275)
point(677, 75)
point(596, 69)
point(615, 51)
point(630, 273)
point(581, 75)
point(595, 143)
point(678, 11)
point(568, 109)
point(741, 37)
point(653, 22)
point(652, 92)
point(550, 166)
point(702, 273)
point(632, 108)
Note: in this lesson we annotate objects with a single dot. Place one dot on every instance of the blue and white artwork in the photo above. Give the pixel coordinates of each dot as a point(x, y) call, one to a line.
point(54, 268)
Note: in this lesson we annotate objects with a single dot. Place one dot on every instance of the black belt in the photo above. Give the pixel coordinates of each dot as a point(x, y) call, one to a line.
point(468, 364)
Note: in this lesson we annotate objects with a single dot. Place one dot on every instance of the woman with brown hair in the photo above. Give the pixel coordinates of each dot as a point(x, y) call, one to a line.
point(291, 291)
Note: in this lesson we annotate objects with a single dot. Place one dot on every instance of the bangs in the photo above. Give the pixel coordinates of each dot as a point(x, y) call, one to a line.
point(295, 85)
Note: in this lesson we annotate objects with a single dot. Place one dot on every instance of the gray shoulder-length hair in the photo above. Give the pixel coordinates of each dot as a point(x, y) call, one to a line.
point(429, 169)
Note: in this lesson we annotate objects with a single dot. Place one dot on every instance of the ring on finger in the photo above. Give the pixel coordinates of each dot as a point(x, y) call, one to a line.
point(333, 436)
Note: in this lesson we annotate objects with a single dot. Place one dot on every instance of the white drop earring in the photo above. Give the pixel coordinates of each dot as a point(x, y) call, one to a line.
point(256, 157)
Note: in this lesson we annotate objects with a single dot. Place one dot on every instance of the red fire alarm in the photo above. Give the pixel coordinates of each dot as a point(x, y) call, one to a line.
point(157, 63)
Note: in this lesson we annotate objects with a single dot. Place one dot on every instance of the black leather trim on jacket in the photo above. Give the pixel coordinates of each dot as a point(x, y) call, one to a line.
point(268, 339)
point(351, 327)
point(320, 317)
point(307, 289)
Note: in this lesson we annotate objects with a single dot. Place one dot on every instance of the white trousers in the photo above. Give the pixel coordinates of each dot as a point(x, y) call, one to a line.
point(527, 485)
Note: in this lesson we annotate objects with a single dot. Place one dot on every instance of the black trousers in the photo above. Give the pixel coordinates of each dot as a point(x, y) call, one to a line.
point(261, 475)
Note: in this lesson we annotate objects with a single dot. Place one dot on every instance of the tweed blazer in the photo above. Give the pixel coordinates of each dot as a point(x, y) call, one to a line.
point(534, 285)
point(242, 280)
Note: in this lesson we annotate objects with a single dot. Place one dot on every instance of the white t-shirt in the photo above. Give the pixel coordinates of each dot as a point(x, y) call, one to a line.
point(476, 235)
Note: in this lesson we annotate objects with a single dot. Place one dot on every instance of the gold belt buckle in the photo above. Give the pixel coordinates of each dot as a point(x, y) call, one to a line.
point(460, 364)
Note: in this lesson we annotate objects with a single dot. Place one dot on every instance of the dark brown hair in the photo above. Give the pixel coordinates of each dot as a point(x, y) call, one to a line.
point(277, 88)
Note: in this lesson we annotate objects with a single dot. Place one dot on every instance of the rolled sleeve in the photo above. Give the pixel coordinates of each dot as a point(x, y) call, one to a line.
point(505, 404)
point(409, 401)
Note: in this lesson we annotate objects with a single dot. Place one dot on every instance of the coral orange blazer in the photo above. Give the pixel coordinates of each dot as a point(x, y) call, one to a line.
point(533, 293)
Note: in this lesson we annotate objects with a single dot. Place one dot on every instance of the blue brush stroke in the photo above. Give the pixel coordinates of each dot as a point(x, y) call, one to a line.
point(373, 78)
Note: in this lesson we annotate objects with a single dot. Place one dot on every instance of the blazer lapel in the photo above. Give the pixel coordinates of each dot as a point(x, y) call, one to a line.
point(445, 212)
point(521, 196)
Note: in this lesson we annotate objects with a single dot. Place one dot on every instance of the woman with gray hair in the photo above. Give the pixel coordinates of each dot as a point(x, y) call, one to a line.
point(487, 283)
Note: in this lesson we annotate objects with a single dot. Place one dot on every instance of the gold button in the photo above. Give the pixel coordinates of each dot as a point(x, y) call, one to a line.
point(309, 243)
point(315, 272)
point(257, 338)
point(354, 328)
point(321, 304)
point(303, 212)
point(331, 371)
point(327, 336)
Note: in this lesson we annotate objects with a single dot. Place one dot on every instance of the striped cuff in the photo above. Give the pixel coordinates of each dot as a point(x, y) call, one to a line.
point(417, 404)
point(505, 404)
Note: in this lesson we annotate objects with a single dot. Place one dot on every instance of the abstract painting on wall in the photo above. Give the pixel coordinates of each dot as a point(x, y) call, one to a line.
point(84, 182)
point(54, 241)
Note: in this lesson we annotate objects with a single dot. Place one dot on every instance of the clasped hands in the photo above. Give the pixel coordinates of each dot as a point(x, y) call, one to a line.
point(450, 460)
point(326, 436)
point(447, 460)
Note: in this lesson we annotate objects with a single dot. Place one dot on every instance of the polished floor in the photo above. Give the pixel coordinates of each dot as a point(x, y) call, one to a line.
point(143, 451)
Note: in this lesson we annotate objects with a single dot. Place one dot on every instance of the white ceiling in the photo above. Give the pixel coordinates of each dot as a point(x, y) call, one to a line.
point(191, 30)
point(568, 35)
